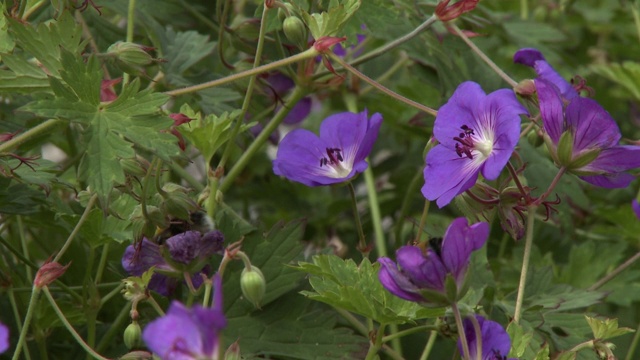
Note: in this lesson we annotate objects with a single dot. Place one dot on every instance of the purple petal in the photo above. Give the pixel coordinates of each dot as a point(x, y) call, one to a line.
point(298, 159)
point(184, 247)
point(395, 282)
point(447, 175)
point(211, 320)
point(496, 343)
point(458, 111)
point(592, 126)
point(355, 134)
point(136, 262)
point(280, 83)
point(211, 243)
point(459, 241)
point(425, 271)
point(4, 338)
point(499, 118)
point(533, 58)
point(299, 112)
point(636, 207)
point(175, 335)
point(551, 109)
point(163, 284)
point(610, 181)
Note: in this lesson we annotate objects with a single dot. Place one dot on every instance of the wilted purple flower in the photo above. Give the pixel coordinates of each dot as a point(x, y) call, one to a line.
point(185, 334)
point(636, 207)
point(4, 338)
point(423, 272)
point(336, 156)
point(189, 248)
point(534, 58)
point(495, 340)
point(477, 133)
point(583, 137)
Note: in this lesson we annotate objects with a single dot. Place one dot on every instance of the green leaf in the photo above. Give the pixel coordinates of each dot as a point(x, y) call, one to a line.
point(606, 329)
point(184, 50)
point(271, 253)
point(19, 199)
point(46, 41)
point(567, 355)
point(39, 172)
point(111, 129)
point(343, 284)
point(209, 133)
point(329, 23)
point(626, 75)
point(293, 329)
point(543, 354)
point(519, 339)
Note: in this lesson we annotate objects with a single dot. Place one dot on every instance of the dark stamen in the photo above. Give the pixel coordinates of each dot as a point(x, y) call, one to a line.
point(334, 155)
point(465, 142)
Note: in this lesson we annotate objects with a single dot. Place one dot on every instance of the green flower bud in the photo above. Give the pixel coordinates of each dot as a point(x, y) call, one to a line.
point(534, 138)
point(147, 226)
point(295, 30)
point(130, 54)
point(253, 285)
point(565, 148)
point(137, 355)
point(233, 352)
point(176, 201)
point(134, 166)
point(132, 336)
point(248, 29)
point(283, 14)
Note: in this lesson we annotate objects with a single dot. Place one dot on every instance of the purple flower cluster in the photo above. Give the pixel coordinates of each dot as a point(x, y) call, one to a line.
point(423, 273)
point(477, 134)
point(580, 134)
point(190, 249)
point(336, 156)
point(188, 334)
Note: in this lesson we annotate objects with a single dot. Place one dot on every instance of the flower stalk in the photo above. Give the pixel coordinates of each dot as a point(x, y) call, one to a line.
point(525, 263)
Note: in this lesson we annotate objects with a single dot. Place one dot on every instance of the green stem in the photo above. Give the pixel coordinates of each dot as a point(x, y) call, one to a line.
point(155, 306)
point(23, 242)
point(184, 174)
point(432, 340)
point(362, 244)
point(130, 29)
point(35, 292)
point(484, 57)
point(360, 327)
point(214, 178)
point(102, 264)
point(374, 206)
point(524, 9)
point(198, 15)
point(636, 19)
point(381, 88)
point(525, 263)
point(116, 325)
point(463, 337)
point(423, 220)
point(397, 42)
point(307, 54)
point(76, 229)
point(297, 94)
point(552, 186)
point(206, 298)
point(410, 331)
point(634, 344)
point(37, 130)
point(16, 314)
point(374, 346)
point(111, 294)
point(409, 196)
point(614, 273)
point(400, 63)
point(69, 327)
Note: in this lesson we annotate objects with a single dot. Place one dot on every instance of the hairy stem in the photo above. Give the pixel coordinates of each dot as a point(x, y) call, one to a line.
point(615, 272)
point(463, 336)
point(362, 244)
point(131, 15)
point(525, 263)
point(37, 130)
point(35, 292)
point(76, 229)
point(432, 340)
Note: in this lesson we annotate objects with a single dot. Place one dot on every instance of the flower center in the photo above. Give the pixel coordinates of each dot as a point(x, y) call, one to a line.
point(467, 141)
point(333, 158)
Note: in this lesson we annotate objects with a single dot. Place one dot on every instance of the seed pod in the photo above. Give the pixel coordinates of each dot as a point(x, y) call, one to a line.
point(132, 335)
point(253, 285)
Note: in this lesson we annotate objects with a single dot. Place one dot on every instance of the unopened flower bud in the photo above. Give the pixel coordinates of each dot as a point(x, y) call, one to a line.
point(146, 226)
point(534, 138)
point(295, 30)
point(248, 29)
point(130, 54)
point(253, 285)
point(134, 166)
point(132, 335)
point(525, 88)
point(176, 201)
point(446, 12)
point(48, 273)
point(137, 355)
point(233, 352)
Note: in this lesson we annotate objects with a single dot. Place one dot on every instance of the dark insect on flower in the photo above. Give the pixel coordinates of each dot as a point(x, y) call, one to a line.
point(198, 221)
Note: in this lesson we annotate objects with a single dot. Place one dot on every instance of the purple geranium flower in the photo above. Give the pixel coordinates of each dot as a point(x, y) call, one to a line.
point(423, 273)
point(495, 340)
point(477, 133)
point(188, 334)
point(190, 248)
point(4, 338)
point(336, 156)
point(594, 154)
point(534, 58)
point(280, 85)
